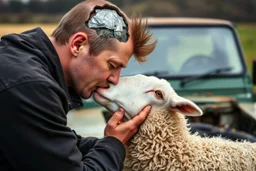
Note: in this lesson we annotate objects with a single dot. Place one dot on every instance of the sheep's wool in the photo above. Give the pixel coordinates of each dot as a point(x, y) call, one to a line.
point(163, 142)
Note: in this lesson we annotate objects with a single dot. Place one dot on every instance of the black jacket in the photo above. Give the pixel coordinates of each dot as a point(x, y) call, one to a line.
point(34, 101)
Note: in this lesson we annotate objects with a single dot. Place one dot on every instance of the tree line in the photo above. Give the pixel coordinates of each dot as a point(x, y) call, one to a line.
point(52, 10)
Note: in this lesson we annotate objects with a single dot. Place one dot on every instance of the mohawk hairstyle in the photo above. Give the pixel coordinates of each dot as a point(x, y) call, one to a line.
point(142, 38)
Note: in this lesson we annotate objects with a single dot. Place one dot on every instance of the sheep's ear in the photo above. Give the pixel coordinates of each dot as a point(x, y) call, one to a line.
point(185, 107)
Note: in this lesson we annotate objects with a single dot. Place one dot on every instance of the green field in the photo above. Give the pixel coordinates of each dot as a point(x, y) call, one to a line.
point(17, 28)
point(247, 34)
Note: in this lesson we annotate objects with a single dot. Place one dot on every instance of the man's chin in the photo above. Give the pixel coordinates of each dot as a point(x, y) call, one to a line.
point(86, 95)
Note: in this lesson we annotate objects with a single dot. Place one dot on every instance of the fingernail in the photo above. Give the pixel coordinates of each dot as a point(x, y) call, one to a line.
point(148, 108)
point(121, 110)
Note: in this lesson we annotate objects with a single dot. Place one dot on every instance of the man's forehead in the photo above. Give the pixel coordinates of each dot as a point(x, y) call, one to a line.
point(124, 52)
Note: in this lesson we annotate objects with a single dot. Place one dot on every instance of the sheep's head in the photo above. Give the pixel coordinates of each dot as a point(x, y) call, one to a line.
point(133, 93)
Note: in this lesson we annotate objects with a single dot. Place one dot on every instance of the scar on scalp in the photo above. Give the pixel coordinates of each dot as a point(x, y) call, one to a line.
point(108, 22)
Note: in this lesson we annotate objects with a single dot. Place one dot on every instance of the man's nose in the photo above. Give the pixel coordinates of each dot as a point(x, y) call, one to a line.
point(114, 77)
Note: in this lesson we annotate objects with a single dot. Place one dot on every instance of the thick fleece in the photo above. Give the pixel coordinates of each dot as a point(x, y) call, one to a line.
point(163, 142)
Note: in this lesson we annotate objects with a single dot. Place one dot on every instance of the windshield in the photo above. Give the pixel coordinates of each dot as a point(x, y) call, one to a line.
point(184, 51)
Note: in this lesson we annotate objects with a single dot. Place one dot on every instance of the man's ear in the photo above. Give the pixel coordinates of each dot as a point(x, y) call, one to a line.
point(77, 41)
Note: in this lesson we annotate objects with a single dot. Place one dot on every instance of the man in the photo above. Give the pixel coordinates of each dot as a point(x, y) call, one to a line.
point(42, 78)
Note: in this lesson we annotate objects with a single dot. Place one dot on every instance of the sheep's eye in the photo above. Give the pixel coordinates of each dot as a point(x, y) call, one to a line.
point(159, 94)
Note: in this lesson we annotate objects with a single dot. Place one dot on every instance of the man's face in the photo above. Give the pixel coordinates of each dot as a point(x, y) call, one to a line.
point(88, 72)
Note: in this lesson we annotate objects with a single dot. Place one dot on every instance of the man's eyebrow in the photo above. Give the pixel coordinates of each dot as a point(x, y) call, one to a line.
point(120, 64)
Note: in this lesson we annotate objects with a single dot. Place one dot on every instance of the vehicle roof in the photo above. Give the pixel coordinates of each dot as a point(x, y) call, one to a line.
point(187, 21)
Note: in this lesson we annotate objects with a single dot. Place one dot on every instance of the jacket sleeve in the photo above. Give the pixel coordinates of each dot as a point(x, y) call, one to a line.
point(34, 135)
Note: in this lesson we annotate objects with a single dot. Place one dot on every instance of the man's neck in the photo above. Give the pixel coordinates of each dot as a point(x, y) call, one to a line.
point(64, 56)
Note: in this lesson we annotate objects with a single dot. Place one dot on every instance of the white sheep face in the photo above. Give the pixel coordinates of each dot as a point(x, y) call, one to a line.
point(133, 93)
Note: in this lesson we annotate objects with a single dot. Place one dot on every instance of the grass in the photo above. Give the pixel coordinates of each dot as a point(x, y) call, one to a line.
point(247, 35)
point(18, 28)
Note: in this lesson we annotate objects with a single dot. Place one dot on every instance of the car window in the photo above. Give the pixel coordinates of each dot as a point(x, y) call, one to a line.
point(183, 51)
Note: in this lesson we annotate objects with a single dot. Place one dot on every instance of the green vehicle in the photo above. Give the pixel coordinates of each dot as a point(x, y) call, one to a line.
point(204, 62)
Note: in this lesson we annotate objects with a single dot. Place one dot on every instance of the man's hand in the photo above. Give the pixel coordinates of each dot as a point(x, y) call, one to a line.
point(125, 130)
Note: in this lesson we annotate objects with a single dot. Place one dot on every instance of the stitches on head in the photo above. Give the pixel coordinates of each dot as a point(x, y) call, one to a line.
point(108, 22)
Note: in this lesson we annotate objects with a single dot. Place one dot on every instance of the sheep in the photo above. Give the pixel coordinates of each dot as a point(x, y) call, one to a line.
point(164, 141)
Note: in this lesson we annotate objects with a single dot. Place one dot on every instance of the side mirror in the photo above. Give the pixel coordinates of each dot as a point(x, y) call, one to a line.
point(254, 72)
point(254, 79)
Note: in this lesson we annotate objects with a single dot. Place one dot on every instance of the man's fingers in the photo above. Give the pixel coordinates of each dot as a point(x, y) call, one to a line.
point(116, 118)
point(138, 119)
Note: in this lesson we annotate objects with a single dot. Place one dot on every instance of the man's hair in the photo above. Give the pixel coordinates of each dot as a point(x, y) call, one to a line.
point(74, 21)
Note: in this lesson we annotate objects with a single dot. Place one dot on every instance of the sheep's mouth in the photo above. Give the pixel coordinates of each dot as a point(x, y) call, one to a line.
point(101, 96)
point(104, 101)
